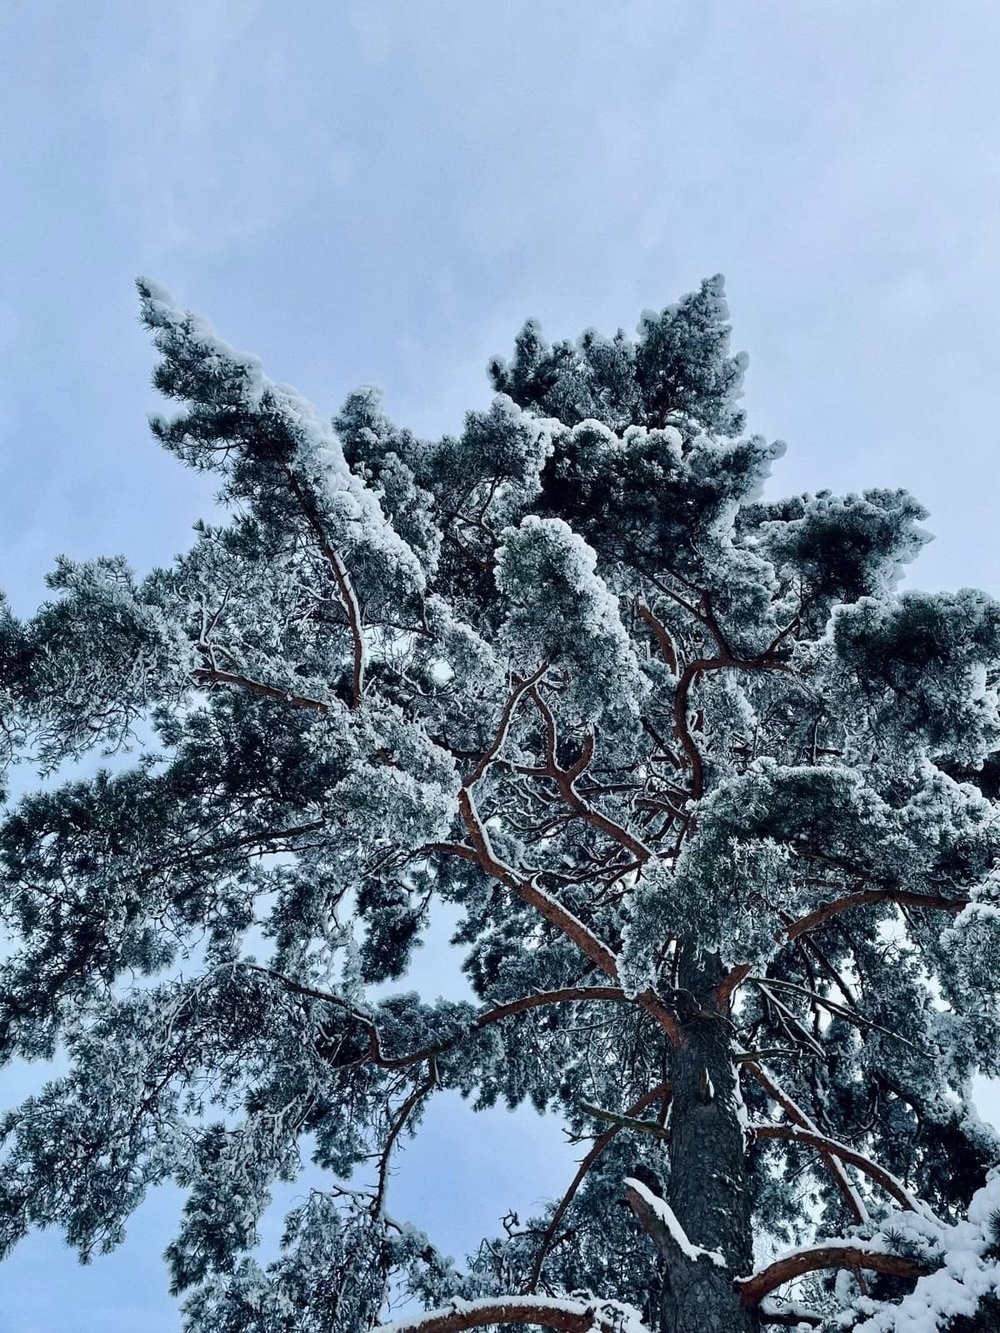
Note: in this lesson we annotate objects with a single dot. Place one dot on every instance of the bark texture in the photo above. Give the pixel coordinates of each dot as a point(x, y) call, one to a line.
point(707, 1183)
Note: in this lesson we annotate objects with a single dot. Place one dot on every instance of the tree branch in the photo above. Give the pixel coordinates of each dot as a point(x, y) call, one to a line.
point(662, 1090)
point(814, 1139)
point(406, 1110)
point(342, 579)
point(564, 1316)
point(803, 1121)
point(213, 676)
point(566, 995)
point(681, 727)
point(903, 897)
point(838, 1254)
point(661, 634)
point(565, 780)
point(521, 687)
point(841, 1010)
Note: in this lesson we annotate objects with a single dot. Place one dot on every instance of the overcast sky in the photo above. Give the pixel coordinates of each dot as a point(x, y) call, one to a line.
point(383, 192)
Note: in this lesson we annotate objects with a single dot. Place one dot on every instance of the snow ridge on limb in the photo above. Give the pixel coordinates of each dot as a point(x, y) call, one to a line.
point(845, 1254)
point(642, 1198)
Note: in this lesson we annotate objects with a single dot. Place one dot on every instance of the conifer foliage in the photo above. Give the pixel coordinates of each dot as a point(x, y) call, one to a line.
point(717, 806)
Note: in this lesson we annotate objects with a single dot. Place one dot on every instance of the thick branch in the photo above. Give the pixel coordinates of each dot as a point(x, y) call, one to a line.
point(836, 1255)
point(564, 1316)
point(730, 982)
point(814, 1139)
point(904, 897)
point(662, 635)
point(663, 1228)
point(681, 726)
point(212, 676)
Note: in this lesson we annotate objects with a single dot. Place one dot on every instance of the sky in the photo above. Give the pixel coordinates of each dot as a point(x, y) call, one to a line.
point(382, 193)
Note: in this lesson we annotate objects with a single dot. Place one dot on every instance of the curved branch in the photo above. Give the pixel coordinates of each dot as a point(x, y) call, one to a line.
point(496, 1015)
point(521, 687)
point(730, 983)
point(688, 676)
point(814, 1139)
point(564, 996)
point(800, 1118)
point(904, 897)
point(837, 1254)
point(565, 780)
point(556, 914)
point(661, 634)
point(564, 1316)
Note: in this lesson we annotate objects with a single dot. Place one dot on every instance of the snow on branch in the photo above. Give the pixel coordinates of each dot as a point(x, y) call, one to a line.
point(788, 1313)
point(588, 1315)
point(848, 1254)
point(661, 1221)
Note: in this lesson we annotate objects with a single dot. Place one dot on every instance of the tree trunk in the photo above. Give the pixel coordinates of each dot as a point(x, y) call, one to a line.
point(707, 1184)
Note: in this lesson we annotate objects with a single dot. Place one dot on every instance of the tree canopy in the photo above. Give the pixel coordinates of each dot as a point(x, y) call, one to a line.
point(716, 803)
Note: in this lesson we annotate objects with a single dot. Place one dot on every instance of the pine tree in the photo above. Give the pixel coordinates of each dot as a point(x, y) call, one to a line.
point(717, 805)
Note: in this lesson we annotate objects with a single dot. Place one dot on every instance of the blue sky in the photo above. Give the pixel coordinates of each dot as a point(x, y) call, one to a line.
point(382, 192)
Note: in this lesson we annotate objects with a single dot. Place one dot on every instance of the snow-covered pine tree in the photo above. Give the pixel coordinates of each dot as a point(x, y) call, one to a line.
point(717, 805)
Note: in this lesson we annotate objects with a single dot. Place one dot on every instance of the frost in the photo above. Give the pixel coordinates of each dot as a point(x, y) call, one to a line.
point(663, 760)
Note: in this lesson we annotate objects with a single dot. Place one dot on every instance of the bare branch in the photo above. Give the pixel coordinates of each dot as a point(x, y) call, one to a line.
point(814, 1139)
point(626, 1121)
point(842, 1011)
point(406, 1110)
point(903, 897)
point(213, 676)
